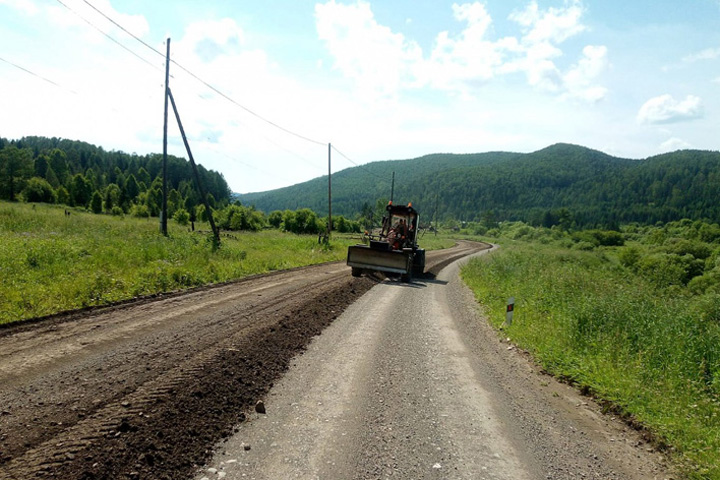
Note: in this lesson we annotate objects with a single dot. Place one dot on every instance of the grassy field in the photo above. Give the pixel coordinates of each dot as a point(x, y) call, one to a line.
point(50, 262)
point(653, 354)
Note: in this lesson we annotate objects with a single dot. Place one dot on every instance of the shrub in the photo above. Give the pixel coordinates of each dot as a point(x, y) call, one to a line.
point(237, 217)
point(140, 211)
point(201, 213)
point(275, 218)
point(681, 246)
point(289, 222)
point(703, 283)
point(63, 196)
point(39, 190)
point(302, 221)
point(306, 221)
point(629, 257)
point(182, 217)
point(583, 245)
point(96, 202)
point(343, 225)
point(664, 270)
point(605, 238)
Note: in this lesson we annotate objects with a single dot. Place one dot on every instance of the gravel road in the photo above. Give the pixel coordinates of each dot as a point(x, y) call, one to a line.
point(411, 382)
point(144, 390)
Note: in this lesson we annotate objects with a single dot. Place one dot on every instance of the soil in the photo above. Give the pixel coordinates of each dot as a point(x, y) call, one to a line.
point(146, 389)
point(411, 381)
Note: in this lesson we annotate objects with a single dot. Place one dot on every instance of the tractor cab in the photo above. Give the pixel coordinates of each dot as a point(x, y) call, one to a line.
point(399, 227)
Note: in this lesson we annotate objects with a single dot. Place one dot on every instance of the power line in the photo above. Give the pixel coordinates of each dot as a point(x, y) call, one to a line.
point(108, 36)
point(38, 76)
point(268, 174)
point(223, 95)
point(124, 29)
point(184, 69)
point(206, 84)
point(307, 139)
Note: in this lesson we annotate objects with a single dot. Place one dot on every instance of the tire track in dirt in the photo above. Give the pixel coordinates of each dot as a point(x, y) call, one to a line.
point(165, 424)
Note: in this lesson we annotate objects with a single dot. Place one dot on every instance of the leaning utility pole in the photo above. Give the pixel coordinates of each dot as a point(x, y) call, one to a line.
point(163, 215)
point(329, 225)
point(216, 233)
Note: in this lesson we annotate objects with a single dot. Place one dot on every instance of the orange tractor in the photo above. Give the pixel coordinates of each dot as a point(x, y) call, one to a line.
point(393, 249)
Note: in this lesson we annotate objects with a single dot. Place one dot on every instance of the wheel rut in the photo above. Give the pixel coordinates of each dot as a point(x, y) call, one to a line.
point(148, 400)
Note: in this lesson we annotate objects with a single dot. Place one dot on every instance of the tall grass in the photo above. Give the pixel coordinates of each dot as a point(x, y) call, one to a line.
point(50, 262)
point(652, 353)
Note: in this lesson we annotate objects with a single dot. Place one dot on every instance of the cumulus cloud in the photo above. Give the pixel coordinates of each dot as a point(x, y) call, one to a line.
point(543, 32)
point(554, 25)
point(674, 143)
point(383, 61)
point(470, 58)
point(665, 109)
point(579, 79)
point(364, 50)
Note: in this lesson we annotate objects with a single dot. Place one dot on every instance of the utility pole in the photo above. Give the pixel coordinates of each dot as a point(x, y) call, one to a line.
point(392, 188)
point(163, 215)
point(216, 233)
point(329, 226)
point(435, 215)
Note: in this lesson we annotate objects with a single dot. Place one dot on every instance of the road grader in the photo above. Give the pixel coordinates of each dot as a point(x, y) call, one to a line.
point(393, 249)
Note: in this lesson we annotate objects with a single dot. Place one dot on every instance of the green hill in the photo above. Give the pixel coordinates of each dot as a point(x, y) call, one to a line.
point(593, 187)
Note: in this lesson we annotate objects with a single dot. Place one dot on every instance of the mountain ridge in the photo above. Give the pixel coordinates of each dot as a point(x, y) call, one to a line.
point(597, 188)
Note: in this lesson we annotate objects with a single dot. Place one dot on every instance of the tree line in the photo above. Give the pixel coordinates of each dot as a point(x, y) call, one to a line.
point(78, 174)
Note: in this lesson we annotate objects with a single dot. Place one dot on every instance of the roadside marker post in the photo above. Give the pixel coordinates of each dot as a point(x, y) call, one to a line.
point(509, 311)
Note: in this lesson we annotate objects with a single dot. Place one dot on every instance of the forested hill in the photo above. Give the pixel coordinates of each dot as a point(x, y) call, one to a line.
point(65, 171)
point(590, 186)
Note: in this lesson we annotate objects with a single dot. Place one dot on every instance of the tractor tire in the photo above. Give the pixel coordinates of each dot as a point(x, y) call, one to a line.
point(356, 272)
point(406, 277)
point(418, 266)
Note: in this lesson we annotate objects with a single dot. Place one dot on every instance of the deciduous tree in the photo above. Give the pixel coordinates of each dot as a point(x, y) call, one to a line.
point(16, 165)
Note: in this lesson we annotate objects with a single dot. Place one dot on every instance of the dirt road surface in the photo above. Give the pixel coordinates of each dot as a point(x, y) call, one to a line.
point(410, 382)
point(144, 390)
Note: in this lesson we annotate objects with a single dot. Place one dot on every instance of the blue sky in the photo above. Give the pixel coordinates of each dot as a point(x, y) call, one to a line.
point(379, 79)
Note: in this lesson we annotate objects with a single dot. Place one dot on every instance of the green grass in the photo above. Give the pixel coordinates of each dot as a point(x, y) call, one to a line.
point(51, 263)
point(654, 354)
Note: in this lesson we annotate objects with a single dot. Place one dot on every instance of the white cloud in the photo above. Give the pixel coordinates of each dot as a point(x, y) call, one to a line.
point(579, 79)
point(665, 109)
point(370, 53)
point(674, 143)
point(383, 62)
point(70, 18)
point(468, 59)
point(209, 40)
point(543, 31)
point(554, 25)
point(707, 54)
